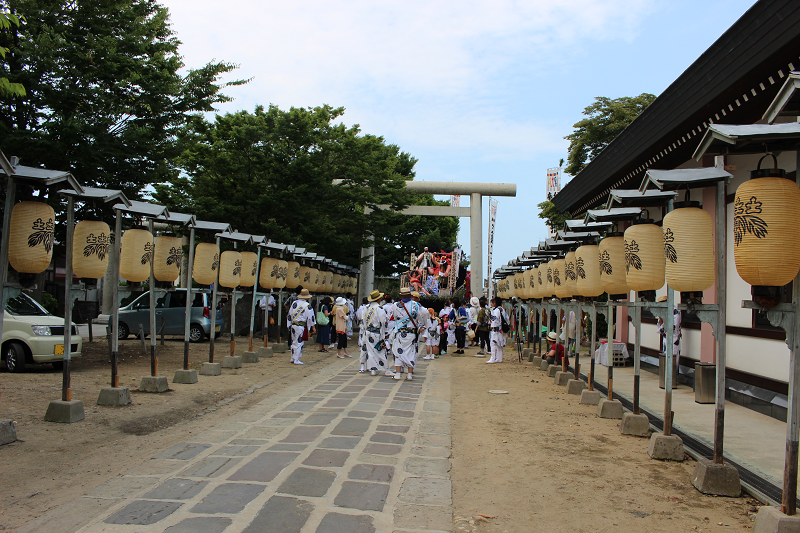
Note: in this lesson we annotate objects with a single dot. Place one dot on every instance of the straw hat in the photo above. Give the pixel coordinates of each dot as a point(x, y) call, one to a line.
point(374, 296)
point(415, 294)
point(662, 298)
point(474, 301)
point(340, 301)
point(552, 336)
point(304, 294)
point(406, 291)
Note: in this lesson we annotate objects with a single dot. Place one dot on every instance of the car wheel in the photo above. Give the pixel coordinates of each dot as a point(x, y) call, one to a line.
point(58, 365)
point(123, 331)
point(14, 355)
point(196, 333)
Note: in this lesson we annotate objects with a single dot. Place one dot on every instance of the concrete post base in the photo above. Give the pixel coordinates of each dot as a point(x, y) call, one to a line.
point(590, 397)
point(8, 433)
point(552, 369)
point(211, 369)
point(561, 378)
point(771, 520)
point(249, 357)
point(232, 361)
point(576, 386)
point(186, 377)
point(154, 384)
point(665, 447)
point(279, 347)
point(64, 412)
point(609, 409)
point(719, 480)
point(527, 353)
point(636, 425)
point(264, 351)
point(544, 365)
point(114, 396)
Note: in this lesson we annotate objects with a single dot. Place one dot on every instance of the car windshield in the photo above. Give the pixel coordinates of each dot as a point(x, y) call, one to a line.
point(24, 305)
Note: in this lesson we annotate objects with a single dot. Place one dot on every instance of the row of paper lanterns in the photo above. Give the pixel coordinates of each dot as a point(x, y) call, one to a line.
point(31, 249)
point(681, 250)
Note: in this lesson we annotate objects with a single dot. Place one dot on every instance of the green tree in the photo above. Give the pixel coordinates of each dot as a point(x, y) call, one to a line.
point(606, 119)
point(553, 217)
point(105, 93)
point(272, 172)
point(7, 20)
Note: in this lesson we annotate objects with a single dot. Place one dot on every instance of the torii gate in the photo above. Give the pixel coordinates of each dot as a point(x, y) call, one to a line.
point(476, 193)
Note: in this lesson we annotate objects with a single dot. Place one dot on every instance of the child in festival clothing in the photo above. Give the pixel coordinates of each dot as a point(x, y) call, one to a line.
point(433, 331)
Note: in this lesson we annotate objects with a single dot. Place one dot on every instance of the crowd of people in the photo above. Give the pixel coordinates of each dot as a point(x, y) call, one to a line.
point(391, 333)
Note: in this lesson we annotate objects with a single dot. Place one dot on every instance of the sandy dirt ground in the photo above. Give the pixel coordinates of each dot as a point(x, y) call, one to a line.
point(528, 461)
point(535, 460)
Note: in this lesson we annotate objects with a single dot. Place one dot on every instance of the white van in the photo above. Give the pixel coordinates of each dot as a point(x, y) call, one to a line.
point(32, 335)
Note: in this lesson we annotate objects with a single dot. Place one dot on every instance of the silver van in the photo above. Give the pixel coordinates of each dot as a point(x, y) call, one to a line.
point(171, 309)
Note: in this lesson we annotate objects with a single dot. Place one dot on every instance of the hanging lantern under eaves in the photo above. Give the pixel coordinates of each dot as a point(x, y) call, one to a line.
point(293, 276)
point(136, 254)
point(587, 270)
point(570, 275)
point(644, 258)
point(206, 263)
point(337, 284)
point(766, 240)
point(268, 277)
point(316, 280)
point(541, 281)
point(249, 267)
point(91, 244)
point(167, 259)
point(612, 265)
point(283, 273)
point(559, 280)
point(230, 269)
point(533, 289)
point(30, 246)
point(549, 288)
point(305, 278)
point(689, 250)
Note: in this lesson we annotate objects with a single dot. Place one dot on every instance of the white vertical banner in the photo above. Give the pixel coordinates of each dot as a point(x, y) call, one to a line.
point(492, 218)
point(455, 200)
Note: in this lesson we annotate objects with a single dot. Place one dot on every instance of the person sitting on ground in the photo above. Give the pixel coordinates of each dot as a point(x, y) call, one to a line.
point(555, 350)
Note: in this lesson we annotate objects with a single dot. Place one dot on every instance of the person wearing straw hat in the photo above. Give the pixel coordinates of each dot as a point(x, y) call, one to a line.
point(407, 314)
point(300, 320)
point(555, 351)
point(373, 333)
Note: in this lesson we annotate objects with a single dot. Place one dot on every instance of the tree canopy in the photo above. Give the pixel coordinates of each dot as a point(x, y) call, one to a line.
point(554, 219)
point(271, 172)
point(105, 97)
point(606, 119)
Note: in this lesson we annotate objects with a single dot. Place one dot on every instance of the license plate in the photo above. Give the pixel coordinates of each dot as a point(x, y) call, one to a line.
point(59, 349)
point(215, 329)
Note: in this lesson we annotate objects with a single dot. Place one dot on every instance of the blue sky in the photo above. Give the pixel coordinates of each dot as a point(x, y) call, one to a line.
point(476, 90)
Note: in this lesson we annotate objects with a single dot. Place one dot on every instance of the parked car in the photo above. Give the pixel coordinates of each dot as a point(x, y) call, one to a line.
point(171, 308)
point(32, 335)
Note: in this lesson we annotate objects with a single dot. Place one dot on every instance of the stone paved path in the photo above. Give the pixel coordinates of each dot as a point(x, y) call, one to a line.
point(342, 452)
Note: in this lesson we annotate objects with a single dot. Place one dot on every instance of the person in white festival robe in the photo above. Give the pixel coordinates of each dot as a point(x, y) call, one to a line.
point(300, 317)
point(432, 334)
point(408, 316)
point(373, 333)
point(360, 317)
point(496, 335)
point(387, 308)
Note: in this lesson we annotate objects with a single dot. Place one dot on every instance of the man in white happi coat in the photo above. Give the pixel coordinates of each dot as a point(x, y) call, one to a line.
point(373, 334)
point(409, 316)
point(496, 336)
point(360, 316)
point(299, 317)
point(387, 308)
